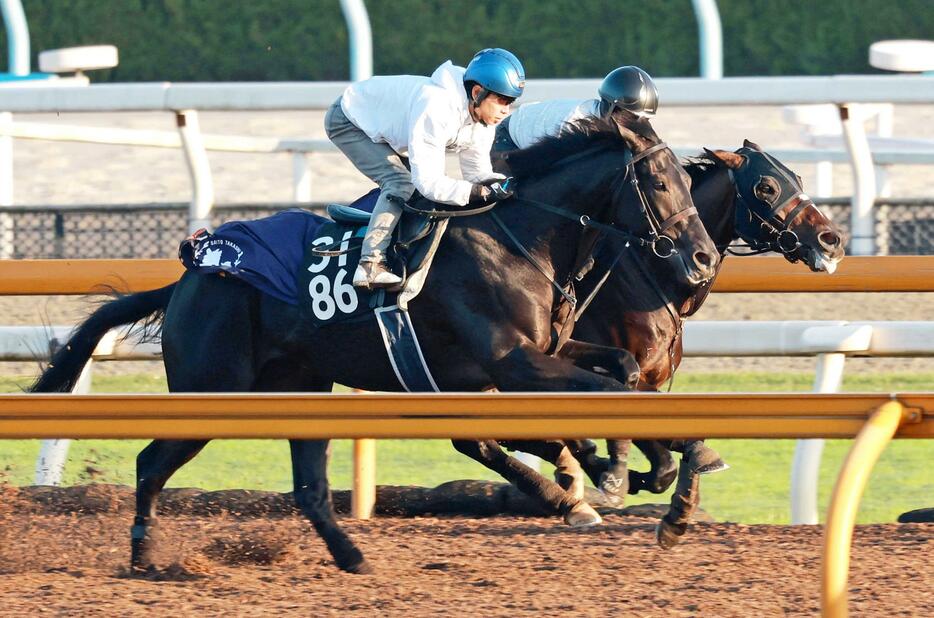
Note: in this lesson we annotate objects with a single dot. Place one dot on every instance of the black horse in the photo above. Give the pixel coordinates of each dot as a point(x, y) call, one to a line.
point(747, 195)
point(492, 308)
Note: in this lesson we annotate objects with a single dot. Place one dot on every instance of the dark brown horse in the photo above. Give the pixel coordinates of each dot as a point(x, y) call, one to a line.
point(745, 195)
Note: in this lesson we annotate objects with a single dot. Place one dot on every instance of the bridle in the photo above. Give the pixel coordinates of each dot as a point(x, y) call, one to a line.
point(776, 223)
point(662, 246)
point(656, 228)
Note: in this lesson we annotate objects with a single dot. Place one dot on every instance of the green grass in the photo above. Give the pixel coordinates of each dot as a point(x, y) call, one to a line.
point(754, 490)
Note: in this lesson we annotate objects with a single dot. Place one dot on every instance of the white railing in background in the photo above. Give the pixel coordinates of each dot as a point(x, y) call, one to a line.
point(841, 90)
point(279, 96)
point(829, 341)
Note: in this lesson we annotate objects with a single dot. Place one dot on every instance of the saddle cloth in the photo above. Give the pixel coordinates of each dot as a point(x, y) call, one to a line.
point(277, 255)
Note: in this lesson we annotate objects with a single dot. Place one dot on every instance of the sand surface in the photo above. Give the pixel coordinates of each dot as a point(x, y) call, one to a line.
point(59, 563)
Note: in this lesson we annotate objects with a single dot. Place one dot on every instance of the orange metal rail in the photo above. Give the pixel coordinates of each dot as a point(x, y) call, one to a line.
point(763, 274)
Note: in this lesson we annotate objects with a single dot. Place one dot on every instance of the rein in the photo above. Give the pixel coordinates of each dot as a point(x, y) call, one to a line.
point(656, 229)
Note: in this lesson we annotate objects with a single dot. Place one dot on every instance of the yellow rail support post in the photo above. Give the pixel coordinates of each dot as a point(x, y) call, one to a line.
point(841, 517)
point(363, 497)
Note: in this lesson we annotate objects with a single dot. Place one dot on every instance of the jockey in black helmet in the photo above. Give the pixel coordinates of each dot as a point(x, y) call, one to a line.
point(627, 88)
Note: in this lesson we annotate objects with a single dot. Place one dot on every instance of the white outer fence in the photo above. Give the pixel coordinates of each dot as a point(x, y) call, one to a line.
point(830, 341)
point(183, 99)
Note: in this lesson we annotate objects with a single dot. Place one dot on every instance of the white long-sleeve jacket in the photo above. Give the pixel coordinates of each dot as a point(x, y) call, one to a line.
point(422, 118)
point(533, 121)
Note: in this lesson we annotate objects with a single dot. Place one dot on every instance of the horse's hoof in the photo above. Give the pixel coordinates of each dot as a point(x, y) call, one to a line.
point(703, 459)
point(141, 571)
point(360, 568)
point(614, 488)
point(582, 515)
point(716, 466)
point(571, 482)
point(666, 535)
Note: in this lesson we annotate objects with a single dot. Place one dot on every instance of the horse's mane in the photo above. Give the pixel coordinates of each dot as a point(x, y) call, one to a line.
point(588, 132)
point(699, 168)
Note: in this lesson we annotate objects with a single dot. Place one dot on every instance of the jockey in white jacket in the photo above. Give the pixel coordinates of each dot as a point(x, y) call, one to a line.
point(397, 130)
point(627, 88)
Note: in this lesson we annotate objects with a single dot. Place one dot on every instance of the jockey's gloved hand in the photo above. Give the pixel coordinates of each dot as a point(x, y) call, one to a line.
point(502, 188)
point(489, 191)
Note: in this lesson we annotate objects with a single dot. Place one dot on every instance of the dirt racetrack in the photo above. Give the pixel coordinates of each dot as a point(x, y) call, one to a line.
point(68, 558)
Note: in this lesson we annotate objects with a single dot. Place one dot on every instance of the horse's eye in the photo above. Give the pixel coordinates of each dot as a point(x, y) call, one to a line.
point(659, 185)
point(766, 190)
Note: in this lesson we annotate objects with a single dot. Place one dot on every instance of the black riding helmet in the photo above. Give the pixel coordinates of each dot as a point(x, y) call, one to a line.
point(629, 88)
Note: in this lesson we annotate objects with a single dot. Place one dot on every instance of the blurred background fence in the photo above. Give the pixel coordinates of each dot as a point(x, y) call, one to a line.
point(903, 226)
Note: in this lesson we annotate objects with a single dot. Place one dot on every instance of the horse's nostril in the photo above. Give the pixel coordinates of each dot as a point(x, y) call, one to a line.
point(829, 239)
point(702, 259)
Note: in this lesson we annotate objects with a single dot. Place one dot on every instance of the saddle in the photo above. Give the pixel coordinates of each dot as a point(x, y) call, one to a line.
point(407, 254)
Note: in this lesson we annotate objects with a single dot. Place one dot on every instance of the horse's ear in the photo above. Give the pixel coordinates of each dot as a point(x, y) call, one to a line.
point(753, 145)
point(636, 142)
point(627, 134)
point(725, 158)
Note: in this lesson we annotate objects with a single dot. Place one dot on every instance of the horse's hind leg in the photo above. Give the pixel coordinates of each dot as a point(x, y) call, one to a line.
point(313, 496)
point(154, 466)
point(577, 513)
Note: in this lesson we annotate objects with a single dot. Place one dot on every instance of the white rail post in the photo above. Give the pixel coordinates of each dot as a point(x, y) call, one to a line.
point(824, 179)
point(50, 465)
point(17, 32)
point(361, 39)
point(710, 34)
point(199, 168)
point(6, 186)
point(301, 178)
point(805, 468)
point(862, 222)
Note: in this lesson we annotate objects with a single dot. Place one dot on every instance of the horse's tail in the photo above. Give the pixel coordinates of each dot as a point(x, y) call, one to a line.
point(67, 362)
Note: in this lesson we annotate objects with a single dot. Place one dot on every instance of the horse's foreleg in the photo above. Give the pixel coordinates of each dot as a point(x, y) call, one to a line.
point(617, 363)
point(663, 468)
point(704, 459)
point(154, 466)
point(488, 452)
point(614, 483)
point(568, 472)
point(313, 497)
point(610, 475)
point(684, 502)
point(525, 368)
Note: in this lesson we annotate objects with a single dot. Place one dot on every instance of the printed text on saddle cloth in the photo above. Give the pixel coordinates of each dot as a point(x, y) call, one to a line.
point(330, 289)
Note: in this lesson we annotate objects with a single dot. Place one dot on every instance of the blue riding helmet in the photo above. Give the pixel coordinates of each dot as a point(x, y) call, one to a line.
point(496, 70)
